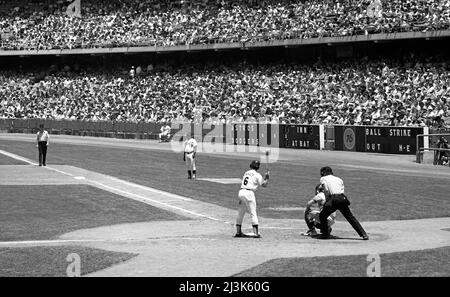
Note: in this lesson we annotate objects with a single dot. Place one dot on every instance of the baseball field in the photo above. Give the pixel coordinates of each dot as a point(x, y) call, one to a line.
point(126, 208)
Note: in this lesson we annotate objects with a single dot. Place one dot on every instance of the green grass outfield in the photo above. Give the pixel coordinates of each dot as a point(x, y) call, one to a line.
point(430, 262)
point(52, 261)
point(375, 195)
point(47, 211)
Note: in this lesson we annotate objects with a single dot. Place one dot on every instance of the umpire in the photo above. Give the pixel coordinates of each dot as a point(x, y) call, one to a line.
point(42, 143)
point(336, 200)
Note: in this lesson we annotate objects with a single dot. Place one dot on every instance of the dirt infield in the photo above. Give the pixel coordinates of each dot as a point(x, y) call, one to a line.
point(205, 242)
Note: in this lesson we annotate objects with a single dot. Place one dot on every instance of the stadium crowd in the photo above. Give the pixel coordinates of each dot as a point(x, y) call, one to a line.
point(45, 25)
point(359, 92)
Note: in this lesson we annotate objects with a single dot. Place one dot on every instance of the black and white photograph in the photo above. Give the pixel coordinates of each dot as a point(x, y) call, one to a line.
point(225, 145)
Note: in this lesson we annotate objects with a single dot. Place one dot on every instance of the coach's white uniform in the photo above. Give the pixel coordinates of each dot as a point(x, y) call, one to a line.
point(247, 201)
point(190, 147)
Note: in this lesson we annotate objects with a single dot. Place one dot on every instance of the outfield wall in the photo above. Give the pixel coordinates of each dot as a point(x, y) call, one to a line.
point(83, 128)
point(374, 139)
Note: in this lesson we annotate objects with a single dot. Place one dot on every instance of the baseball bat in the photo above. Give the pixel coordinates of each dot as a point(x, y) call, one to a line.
point(267, 161)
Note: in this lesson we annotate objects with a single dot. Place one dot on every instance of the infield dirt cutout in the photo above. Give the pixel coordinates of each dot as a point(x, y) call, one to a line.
point(204, 245)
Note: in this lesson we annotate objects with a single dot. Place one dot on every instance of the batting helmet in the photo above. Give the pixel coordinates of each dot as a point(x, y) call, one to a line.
point(325, 171)
point(255, 164)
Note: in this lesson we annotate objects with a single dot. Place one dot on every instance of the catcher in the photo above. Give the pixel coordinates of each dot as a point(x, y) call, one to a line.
point(312, 212)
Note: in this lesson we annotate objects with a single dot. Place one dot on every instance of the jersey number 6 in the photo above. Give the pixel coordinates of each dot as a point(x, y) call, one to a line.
point(245, 181)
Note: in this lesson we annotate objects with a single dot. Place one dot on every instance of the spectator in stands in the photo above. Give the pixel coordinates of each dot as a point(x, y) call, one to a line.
point(123, 23)
point(377, 92)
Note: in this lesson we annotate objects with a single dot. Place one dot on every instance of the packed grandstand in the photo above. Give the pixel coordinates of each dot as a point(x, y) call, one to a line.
point(406, 91)
point(115, 23)
point(375, 92)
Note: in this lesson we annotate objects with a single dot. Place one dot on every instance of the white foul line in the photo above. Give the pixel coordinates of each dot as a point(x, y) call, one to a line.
point(146, 200)
point(149, 189)
point(40, 242)
point(23, 159)
point(67, 241)
point(139, 197)
point(17, 157)
point(60, 171)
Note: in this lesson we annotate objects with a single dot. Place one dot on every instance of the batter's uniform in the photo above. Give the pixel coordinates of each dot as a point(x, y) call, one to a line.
point(190, 151)
point(336, 200)
point(312, 218)
point(42, 138)
point(247, 200)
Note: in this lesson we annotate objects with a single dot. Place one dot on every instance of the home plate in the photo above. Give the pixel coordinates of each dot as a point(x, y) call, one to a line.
point(286, 208)
point(226, 181)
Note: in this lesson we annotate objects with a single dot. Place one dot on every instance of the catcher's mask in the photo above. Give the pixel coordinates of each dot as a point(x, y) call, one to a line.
point(319, 188)
point(255, 165)
point(325, 171)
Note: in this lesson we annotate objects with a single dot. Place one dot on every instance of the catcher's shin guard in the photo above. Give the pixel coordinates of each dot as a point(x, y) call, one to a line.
point(309, 222)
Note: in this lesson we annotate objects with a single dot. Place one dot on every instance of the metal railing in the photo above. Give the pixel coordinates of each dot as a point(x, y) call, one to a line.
point(421, 150)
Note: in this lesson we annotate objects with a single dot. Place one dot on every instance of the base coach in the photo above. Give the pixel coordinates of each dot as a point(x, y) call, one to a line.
point(42, 143)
